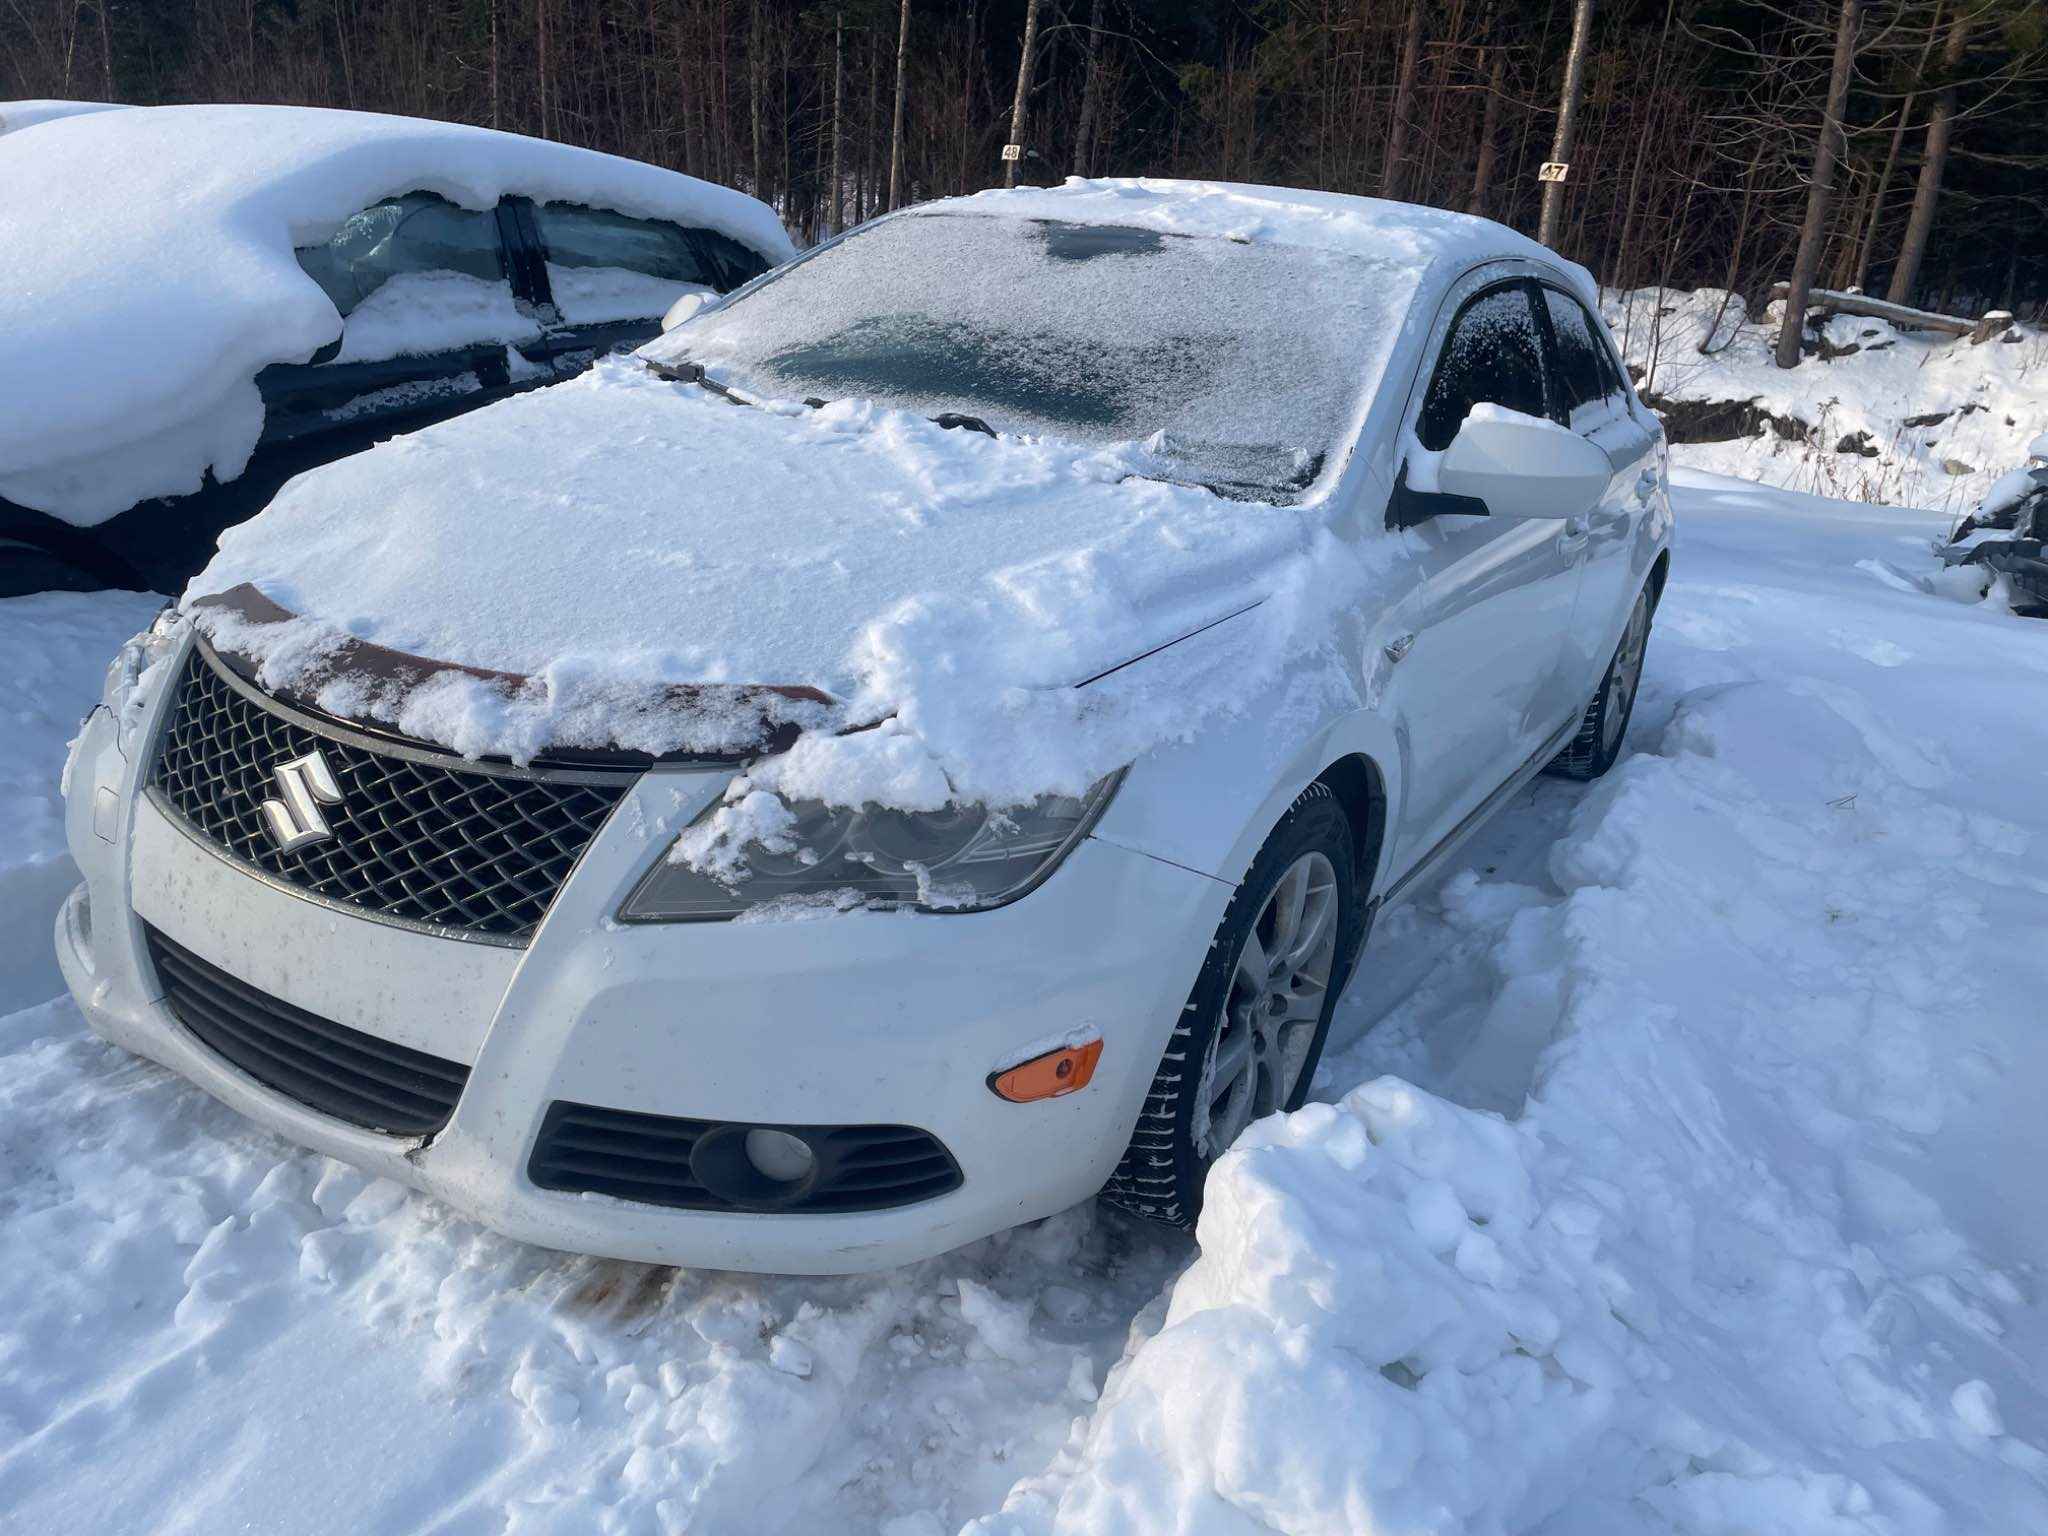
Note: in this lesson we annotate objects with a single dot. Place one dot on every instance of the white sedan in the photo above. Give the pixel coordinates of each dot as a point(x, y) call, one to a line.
point(921, 744)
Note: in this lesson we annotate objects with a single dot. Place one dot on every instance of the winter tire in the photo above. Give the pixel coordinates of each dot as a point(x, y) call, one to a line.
point(1252, 1030)
point(1604, 726)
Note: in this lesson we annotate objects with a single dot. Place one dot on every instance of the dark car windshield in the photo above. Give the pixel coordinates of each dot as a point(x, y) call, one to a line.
point(1250, 356)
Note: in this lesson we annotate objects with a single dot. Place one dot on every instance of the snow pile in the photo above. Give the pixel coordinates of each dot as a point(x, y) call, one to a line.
point(1909, 418)
point(112, 390)
point(1763, 1252)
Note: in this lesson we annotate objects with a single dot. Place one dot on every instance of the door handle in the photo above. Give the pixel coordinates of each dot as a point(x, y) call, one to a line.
point(1646, 485)
point(1576, 530)
point(1398, 648)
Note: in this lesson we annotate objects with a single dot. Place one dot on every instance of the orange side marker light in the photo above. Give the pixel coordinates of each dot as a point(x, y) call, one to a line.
point(1056, 1073)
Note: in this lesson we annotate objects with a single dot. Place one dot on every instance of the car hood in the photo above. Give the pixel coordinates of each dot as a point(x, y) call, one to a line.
point(622, 533)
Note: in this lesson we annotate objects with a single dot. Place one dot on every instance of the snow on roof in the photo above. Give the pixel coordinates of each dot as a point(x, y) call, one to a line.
point(15, 115)
point(1230, 210)
point(151, 273)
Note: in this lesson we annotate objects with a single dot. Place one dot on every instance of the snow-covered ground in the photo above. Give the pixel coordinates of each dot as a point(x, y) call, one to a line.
point(1688, 1179)
point(1907, 418)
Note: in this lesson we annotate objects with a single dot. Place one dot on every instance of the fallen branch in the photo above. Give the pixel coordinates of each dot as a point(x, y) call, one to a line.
point(1834, 301)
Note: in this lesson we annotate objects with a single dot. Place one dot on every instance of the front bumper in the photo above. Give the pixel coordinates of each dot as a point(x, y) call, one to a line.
point(862, 1018)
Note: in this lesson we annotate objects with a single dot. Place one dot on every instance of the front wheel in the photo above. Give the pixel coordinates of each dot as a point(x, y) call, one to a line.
point(1601, 729)
point(1252, 1031)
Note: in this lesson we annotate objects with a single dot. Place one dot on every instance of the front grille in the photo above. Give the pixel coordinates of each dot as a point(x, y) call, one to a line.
point(660, 1160)
point(418, 836)
point(324, 1065)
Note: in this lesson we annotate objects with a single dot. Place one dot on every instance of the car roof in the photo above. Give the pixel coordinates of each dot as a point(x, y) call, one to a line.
point(1435, 239)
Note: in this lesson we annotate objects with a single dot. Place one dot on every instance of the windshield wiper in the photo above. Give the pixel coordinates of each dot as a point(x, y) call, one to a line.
point(692, 373)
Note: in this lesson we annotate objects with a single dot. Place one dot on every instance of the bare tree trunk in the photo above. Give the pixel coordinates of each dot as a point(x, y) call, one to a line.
point(1933, 161)
point(967, 59)
point(1393, 178)
point(1620, 273)
point(540, 43)
point(757, 86)
point(1091, 94)
point(1020, 108)
point(838, 118)
point(1828, 147)
point(493, 17)
point(106, 52)
point(1567, 115)
point(896, 127)
point(348, 82)
point(1489, 132)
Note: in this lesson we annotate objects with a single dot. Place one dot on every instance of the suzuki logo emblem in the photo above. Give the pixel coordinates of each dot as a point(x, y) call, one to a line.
point(303, 785)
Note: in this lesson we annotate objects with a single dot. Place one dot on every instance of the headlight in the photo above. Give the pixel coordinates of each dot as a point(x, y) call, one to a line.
point(961, 859)
point(134, 672)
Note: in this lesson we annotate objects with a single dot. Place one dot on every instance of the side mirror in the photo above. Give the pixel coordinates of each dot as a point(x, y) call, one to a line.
point(688, 307)
point(1522, 466)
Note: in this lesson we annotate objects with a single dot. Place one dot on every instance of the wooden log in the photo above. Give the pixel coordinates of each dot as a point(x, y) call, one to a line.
point(1835, 301)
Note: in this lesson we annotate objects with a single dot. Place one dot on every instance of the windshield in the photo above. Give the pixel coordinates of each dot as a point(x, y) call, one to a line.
point(1249, 357)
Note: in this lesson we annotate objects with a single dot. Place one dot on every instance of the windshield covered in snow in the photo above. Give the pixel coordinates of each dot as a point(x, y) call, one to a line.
point(1249, 356)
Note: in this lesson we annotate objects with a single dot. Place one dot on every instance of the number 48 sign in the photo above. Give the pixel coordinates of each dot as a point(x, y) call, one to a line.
point(1553, 170)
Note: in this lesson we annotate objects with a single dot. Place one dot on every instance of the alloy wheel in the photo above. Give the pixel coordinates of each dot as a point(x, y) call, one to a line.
point(1275, 1002)
point(1625, 676)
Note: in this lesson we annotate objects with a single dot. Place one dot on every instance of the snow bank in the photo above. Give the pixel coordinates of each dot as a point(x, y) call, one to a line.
point(113, 389)
point(1746, 1262)
point(1908, 418)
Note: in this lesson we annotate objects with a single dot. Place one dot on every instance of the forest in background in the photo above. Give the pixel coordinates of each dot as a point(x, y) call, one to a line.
point(1700, 132)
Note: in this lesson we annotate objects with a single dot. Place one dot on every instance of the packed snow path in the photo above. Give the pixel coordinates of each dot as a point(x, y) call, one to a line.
point(1760, 1244)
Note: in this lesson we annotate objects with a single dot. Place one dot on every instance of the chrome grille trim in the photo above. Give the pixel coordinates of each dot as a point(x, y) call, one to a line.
point(422, 838)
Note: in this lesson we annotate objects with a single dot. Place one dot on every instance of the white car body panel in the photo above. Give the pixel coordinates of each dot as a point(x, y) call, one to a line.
point(1462, 687)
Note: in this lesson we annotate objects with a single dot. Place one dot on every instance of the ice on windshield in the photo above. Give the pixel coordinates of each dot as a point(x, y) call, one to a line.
point(1251, 356)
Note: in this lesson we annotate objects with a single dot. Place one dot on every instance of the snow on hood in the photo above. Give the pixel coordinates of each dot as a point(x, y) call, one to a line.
point(619, 531)
point(113, 389)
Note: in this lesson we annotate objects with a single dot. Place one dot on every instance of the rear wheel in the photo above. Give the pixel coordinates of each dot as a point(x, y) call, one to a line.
point(1605, 723)
point(1252, 1031)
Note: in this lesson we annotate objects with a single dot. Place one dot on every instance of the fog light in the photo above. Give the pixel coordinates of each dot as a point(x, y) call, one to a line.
point(779, 1156)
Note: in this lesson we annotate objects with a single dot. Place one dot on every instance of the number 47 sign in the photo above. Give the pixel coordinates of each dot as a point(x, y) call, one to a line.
point(1554, 170)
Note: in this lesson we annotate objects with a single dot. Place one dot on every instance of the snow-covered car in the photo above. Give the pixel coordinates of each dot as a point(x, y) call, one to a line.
point(920, 743)
point(17, 115)
point(2007, 534)
point(200, 302)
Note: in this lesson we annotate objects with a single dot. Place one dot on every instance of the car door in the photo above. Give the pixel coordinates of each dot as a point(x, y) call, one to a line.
point(432, 322)
point(1474, 678)
point(1594, 402)
point(608, 278)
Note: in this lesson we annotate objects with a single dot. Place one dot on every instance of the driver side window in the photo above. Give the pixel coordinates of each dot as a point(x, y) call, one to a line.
point(1493, 353)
